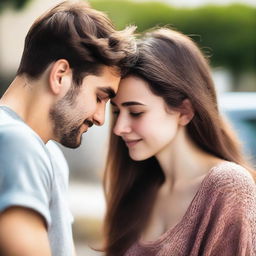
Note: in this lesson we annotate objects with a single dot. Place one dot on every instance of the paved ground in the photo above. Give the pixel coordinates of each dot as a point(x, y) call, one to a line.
point(83, 250)
point(86, 200)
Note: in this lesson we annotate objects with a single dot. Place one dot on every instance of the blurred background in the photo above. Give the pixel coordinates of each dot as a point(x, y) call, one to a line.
point(225, 31)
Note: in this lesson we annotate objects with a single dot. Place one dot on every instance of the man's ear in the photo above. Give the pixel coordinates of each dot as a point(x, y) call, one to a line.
point(60, 77)
point(187, 112)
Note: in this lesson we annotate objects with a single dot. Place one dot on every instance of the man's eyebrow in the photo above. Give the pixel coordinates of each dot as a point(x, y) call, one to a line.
point(109, 91)
point(128, 103)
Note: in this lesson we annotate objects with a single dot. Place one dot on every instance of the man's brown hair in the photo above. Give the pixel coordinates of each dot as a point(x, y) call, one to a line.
point(85, 37)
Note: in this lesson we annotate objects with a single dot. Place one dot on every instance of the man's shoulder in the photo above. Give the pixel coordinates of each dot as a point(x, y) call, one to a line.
point(18, 134)
point(21, 146)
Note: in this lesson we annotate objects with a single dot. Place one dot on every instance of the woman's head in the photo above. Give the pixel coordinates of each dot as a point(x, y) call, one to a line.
point(174, 77)
point(176, 70)
point(146, 124)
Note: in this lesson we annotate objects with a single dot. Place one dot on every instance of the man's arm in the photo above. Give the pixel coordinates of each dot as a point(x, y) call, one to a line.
point(23, 233)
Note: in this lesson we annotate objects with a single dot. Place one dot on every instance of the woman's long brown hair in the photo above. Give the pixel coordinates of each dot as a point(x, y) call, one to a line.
point(175, 69)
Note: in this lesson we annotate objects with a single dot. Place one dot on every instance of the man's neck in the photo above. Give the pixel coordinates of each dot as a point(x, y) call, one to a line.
point(29, 100)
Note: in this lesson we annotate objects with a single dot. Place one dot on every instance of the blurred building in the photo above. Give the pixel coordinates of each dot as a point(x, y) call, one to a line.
point(86, 162)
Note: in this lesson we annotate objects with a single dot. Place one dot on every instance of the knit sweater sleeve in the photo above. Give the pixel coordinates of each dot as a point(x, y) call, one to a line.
point(229, 223)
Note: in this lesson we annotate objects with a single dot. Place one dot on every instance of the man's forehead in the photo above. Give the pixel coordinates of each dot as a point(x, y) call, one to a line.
point(106, 81)
point(110, 71)
point(111, 77)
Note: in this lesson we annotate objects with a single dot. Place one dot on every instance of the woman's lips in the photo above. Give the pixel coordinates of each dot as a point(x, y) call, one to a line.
point(131, 143)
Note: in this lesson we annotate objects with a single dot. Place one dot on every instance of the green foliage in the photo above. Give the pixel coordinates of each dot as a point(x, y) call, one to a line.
point(227, 33)
point(15, 4)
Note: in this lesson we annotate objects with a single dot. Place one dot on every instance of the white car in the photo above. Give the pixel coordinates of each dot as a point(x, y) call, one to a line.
point(240, 109)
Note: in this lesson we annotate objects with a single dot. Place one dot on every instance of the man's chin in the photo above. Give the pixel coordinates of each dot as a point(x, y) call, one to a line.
point(71, 143)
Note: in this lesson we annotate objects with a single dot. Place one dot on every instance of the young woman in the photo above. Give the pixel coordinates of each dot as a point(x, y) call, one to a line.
point(176, 182)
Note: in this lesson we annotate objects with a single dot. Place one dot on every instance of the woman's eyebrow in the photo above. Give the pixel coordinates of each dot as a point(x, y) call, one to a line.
point(128, 103)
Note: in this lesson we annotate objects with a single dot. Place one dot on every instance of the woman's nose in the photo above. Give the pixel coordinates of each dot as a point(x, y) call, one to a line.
point(121, 126)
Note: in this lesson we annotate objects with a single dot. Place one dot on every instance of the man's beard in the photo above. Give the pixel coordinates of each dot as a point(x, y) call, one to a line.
point(66, 132)
point(66, 129)
point(71, 138)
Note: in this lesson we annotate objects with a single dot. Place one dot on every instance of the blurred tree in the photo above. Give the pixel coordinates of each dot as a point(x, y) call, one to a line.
point(225, 33)
point(15, 4)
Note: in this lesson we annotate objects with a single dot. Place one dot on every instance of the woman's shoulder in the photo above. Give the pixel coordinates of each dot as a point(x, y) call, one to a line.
point(230, 177)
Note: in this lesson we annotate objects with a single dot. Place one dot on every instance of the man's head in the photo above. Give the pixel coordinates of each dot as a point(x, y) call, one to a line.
point(81, 51)
point(79, 109)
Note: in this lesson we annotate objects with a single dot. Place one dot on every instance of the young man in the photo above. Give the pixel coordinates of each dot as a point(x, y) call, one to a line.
point(71, 65)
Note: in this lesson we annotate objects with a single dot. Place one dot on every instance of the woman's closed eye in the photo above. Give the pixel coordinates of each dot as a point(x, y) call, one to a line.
point(133, 114)
point(136, 114)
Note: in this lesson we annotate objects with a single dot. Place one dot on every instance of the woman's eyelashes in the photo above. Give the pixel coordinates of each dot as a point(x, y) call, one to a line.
point(131, 113)
point(136, 114)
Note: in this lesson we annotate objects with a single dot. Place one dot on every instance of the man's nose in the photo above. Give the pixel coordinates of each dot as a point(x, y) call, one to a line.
point(99, 116)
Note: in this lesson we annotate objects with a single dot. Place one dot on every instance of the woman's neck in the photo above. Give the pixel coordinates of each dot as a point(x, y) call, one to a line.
point(183, 161)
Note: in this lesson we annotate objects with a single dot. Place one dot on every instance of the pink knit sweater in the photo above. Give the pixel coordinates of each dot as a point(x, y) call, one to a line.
point(220, 221)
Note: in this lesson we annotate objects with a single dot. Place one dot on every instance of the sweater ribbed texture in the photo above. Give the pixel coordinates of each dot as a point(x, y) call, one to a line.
point(220, 221)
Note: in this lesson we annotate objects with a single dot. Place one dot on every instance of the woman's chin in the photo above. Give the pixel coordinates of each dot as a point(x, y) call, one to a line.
point(137, 157)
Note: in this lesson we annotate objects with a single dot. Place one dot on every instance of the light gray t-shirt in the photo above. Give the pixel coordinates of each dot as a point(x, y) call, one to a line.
point(34, 175)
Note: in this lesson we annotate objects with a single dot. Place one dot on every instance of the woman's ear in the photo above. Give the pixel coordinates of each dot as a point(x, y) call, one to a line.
point(187, 112)
point(60, 77)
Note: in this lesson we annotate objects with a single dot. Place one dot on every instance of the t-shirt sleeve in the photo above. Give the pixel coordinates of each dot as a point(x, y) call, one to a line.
point(231, 228)
point(25, 173)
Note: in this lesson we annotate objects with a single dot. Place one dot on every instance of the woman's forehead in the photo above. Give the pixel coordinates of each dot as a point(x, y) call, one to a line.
point(134, 89)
